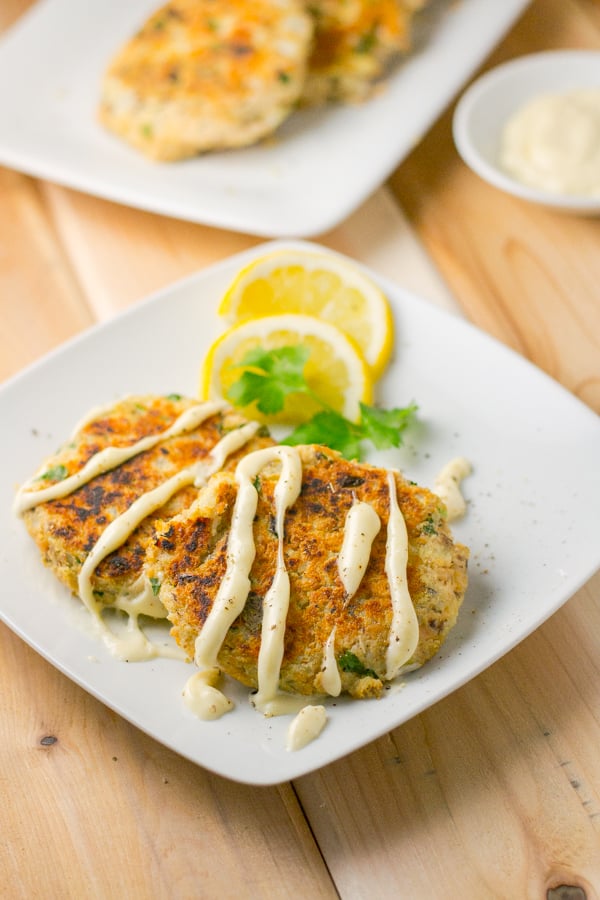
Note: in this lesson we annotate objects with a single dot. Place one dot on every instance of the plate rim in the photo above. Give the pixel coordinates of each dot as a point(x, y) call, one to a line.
point(307, 221)
point(298, 765)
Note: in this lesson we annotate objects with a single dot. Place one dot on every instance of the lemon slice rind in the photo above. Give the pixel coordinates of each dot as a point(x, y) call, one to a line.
point(291, 281)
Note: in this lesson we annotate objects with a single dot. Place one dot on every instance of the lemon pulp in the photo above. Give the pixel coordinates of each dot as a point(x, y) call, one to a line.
point(315, 284)
point(335, 371)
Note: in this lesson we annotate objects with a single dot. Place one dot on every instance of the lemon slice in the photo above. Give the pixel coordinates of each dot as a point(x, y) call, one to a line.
point(335, 371)
point(315, 284)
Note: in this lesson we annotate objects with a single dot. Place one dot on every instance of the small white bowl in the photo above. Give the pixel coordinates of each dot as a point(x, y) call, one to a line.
point(485, 107)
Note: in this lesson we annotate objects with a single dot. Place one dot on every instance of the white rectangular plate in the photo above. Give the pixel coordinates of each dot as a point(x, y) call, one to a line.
point(319, 168)
point(532, 522)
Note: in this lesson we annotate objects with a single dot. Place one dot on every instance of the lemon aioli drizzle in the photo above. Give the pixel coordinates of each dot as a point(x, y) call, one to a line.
point(111, 457)
point(96, 412)
point(404, 631)
point(361, 527)
point(202, 696)
point(447, 486)
point(276, 602)
point(235, 586)
point(139, 599)
point(120, 529)
point(330, 679)
point(305, 727)
point(201, 693)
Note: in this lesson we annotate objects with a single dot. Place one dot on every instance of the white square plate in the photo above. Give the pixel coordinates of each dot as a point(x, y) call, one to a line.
point(319, 168)
point(532, 522)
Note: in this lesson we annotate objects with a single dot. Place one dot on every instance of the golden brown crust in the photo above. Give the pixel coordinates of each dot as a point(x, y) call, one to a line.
point(205, 74)
point(189, 559)
point(355, 42)
point(183, 546)
point(67, 529)
point(211, 74)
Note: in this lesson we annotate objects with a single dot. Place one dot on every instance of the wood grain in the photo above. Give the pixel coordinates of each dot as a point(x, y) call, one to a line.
point(118, 815)
point(492, 793)
point(41, 303)
point(514, 267)
point(483, 795)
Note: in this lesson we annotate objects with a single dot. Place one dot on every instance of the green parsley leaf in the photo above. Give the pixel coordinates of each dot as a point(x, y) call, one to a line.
point(384, 427)
point(55, 473)
point(330, 429)
point(155, 585)
point(428, 526)
point(349, 662)
point(367, 42)
point(269, 376)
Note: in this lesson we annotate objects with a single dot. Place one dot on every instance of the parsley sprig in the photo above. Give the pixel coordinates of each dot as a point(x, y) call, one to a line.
point(269, 376)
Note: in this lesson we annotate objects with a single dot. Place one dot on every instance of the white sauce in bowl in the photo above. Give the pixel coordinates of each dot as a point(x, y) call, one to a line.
point(552, 143)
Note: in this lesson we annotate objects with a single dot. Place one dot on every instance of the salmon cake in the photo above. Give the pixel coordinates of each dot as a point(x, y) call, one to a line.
point(91, 506)
point(337, 633)
point(355, 44)
point(207, 74)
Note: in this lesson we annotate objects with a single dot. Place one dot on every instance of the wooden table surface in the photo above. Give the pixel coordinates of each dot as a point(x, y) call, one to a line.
point(492, 793)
